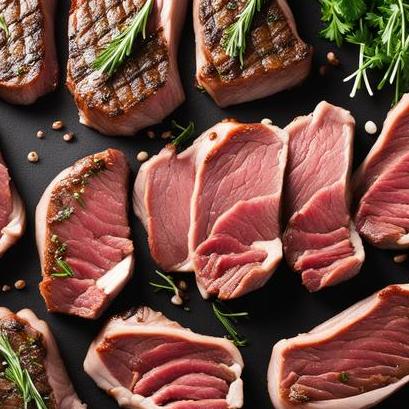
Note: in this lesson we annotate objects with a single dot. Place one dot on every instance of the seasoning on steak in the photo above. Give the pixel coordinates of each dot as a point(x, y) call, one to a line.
point(353, 361)
point(32, 340)
point(275, 59)
point(320, 241)
point(28, 61)
point(147, 87)
point(83, 235)
point(383, 174)
point(146, 361)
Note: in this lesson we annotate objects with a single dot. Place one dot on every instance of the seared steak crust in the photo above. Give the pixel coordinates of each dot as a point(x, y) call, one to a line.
point(30, 347)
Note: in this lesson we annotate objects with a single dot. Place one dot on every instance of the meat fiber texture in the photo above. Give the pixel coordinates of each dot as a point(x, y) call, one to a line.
point(12, 213)
point(214, 208)
point(353, 361)
point(94, 235)
point(145, 361)
point(381, 184)
point(57, 377)
point(147, 87)
point(275, 59)
point(320, 241)
point(28, 67)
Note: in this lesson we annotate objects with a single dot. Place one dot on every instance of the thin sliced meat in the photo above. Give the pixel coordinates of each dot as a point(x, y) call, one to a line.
point(320, 241)
point(82, 226)
point(353, 361)
point(146, 361)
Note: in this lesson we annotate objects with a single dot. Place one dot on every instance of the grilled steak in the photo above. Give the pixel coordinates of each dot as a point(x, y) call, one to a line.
point(38, 354)
point(28, 61)
point(275, 59)
point(146, 361)
point(385, 223)
point(83, 235)
point(353, 361)
point(320, 241)
point(147, 87)
point(12, 213)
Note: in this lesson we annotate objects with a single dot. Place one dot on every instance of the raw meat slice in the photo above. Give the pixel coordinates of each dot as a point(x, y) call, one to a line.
point(28, 67)
point(353, 361)
point(320, 241)
point(383, 174)
point(276, 58)
point(146, 361)
point(82, 226)
point(147, 87)
point(38, 353)
point(12, 213)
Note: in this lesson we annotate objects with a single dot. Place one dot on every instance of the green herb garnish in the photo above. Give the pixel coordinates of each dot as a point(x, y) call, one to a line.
point(77, 196)
point(3, 26)
point(169, 286)
point(343, 377)
point(186, 133)
point(19, 376)
point(65, 269)
point(234, 39)
point(115, 53)
point(228, 320)
point(64, 214)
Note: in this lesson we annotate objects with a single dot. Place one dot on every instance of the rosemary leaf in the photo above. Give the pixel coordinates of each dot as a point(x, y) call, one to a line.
point(65, 269)
point(3, 26)
point(185, 135)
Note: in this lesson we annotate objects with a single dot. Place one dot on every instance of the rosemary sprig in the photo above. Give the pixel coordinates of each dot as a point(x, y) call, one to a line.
point(65, 269)
point(228, 319)
point(19, 376)
point(3, 26)
point(186, 133)
point(171, 286)
point(234, 40)
point(115, 53)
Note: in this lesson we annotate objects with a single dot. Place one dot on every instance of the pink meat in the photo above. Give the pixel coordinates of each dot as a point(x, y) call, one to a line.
point(383, 174)
point(144, 359)
point(353, 361)
point(6, 201)
point(320, 241)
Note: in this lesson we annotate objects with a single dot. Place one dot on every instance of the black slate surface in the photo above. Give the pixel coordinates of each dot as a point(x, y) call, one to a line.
point(282, 308)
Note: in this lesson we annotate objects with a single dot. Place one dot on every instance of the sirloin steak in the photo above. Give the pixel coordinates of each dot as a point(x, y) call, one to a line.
point(276, 58)
point(145, 361)
point(353, 361)
point(147, 87)
point(28, 61)
point(38, 354)
point(384, 174)
point(320, 241)
point(83, 236)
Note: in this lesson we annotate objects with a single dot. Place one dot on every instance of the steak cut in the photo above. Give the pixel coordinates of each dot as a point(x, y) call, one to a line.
point(147, 87)
point(83, 236)
point(276, 58)
point(12, 212)
point(353, 361)
point(28, 60)
point(38, 353)
point(383, 174)
point(223, 193)
point(320, 241)
point(145, 361)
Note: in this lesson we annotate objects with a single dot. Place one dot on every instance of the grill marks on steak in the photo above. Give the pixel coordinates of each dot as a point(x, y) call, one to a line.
point(354, 360)
point(146, 361)
point(28, 66)
point(276, 58)
point(85, 213)
point(146, 88)
point(381, 184)
point(320, 241)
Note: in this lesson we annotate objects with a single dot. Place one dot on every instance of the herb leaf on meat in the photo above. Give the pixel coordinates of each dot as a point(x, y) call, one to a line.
point(65, 270)
point(3, 26)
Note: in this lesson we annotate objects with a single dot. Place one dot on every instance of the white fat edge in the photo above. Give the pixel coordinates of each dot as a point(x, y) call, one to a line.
point(356, 242)
point(403, 241)
point(274, 250)
point(234, 397)
point(185, 266)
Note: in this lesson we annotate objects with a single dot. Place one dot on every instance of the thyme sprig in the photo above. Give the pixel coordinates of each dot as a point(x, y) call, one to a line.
point(228, 320)
point(169, 286)
point(19, 376)
point(65, 269)
point(115, 53)
point(3, 25)
point(185, 135)
point(234, 39)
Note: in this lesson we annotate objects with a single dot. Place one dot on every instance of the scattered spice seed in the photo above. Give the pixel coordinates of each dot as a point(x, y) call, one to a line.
point(182, 285)
point(151, 134)
point(266, 121)
point(176, 300)
point(212, 136)
point(57, 125)
point(166, 135)
point(400, 258)
point(370, 127)
point(5, 288)
point(33, 157)
point(142, 156)
point(40, 134)
point(324, 70)
point(68, 137)
point(20, 284)
point(332, 59)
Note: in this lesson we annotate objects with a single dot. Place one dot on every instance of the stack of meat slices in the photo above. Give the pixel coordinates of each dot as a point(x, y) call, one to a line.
point(146, 361)
point(28, 61)
point(83, 235)
point(215, 207)
point(147, 87)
